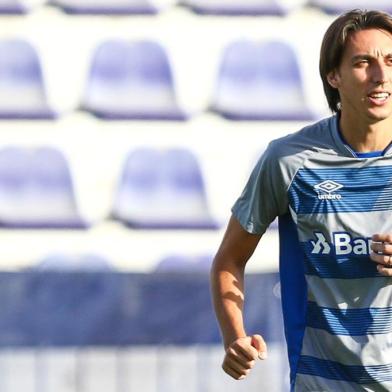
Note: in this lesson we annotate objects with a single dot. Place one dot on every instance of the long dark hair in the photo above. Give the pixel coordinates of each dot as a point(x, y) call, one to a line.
point(334, 43)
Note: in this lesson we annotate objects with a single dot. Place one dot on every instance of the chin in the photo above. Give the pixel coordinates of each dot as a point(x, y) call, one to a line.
point(380, 115)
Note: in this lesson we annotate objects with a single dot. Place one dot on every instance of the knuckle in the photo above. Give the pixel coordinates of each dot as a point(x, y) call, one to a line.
point(249, 365)
point(245, 372)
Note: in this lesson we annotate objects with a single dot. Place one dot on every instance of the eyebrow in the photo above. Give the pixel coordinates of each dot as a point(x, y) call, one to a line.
point(359, 57)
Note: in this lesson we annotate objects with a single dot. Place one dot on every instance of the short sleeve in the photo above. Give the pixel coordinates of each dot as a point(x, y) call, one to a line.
point(264, 196)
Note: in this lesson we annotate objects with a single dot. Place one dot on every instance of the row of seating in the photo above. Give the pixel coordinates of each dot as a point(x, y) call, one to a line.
point(220, 7)
point(134, 80)
point(92, 262)
point(158, 189)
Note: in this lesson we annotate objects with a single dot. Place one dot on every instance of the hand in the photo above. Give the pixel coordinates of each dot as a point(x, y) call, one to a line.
point(241, 356)
point(382, 253)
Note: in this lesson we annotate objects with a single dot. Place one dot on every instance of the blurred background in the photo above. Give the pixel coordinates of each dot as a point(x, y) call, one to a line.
point(128, 128)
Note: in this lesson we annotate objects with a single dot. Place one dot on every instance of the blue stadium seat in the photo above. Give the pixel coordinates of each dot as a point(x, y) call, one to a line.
point(162, 189)
point(244, 7)
point(13, 7)
point(62, 262)
point(339, 6)
point(183, 263)
point(131, 80)
point(22, 90)
point(36, 189)
point(260, 81)
point(107, 7)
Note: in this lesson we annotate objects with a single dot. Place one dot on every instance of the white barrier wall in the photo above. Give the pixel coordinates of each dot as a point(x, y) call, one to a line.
point(136, 369)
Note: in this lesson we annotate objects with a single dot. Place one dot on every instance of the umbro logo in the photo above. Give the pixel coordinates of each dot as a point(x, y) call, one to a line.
point(326, 190)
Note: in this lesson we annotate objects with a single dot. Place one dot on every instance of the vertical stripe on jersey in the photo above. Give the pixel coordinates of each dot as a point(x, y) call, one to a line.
point(293, 289)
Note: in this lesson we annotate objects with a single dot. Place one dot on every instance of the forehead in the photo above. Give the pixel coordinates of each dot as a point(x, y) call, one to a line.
point(370, 41)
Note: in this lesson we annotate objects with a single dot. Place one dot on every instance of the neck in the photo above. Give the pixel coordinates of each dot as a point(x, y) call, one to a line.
point(370, 137)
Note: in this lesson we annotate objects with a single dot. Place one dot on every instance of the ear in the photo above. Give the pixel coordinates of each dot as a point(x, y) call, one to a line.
point(333, 79)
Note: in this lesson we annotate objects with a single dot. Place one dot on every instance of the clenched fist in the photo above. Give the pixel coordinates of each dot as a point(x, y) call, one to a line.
point(241, 355)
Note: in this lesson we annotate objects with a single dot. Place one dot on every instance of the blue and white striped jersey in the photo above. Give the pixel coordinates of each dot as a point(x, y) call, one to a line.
point(337, 308)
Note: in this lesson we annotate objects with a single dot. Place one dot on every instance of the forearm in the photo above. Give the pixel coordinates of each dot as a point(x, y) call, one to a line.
point(227, 285)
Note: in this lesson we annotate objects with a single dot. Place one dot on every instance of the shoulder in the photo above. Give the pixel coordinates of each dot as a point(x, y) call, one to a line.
point(285, 155)
point(310, 139)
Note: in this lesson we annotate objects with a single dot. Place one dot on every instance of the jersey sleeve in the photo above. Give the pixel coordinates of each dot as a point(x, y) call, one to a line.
point(264, 196)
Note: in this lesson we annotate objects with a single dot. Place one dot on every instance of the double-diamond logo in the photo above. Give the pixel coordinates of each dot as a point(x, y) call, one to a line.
point(326, 190)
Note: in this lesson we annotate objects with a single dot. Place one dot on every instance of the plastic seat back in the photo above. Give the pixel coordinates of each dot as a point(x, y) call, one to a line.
point(185, 263)
point(260, 81)
point(36, 189)
point(338, 6)
point(131, 80)
point(107, 7)
point(64, 262)
point(22, 90)
point(244, 7)
point(162, 189)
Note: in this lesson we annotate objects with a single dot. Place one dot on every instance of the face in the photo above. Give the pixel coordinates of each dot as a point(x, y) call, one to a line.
point(364, 77)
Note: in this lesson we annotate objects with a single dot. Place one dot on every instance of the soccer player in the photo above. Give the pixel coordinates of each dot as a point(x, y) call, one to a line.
point(330, 184)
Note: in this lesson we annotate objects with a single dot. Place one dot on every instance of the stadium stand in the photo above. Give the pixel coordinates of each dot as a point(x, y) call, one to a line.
point(107, 7)
point(245, 7)
point(139, 317)
point(162, 189)
point(131, 80)
point(253, 79)
point(22, 89)
point(36, 189)
point(338, 6)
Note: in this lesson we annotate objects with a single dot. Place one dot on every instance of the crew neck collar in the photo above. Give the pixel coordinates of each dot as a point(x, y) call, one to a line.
point(338, 136)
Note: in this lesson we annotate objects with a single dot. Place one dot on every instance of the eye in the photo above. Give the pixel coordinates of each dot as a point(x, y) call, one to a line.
point(361, 63)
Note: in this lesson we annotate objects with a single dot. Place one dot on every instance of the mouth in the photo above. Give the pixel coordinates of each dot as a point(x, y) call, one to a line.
point(379, 97)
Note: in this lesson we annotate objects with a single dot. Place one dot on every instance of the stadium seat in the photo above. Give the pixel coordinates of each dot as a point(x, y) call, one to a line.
point(244, 7)
point(131, 80)
point(62, 262)
point(162, 189)
point(183, 263)
point(107, 7)
point(36, 190)
point(260, 81)
point(338, 6)
point(22, 90)
point(13, 7)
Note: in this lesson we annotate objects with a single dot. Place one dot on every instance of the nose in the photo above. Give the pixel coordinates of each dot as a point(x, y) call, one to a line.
point(381, 73)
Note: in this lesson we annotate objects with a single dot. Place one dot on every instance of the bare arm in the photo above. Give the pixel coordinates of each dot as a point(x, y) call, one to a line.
point(227, 285)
